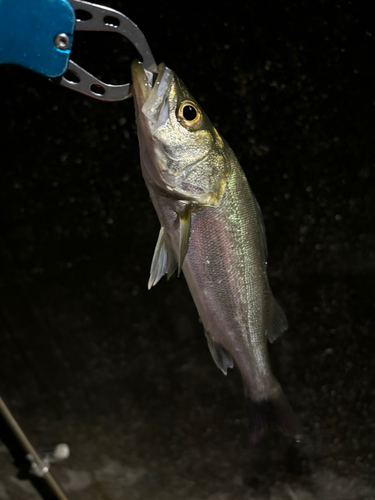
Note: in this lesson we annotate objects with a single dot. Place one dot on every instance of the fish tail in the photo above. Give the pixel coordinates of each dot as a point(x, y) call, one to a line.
point(274, 413)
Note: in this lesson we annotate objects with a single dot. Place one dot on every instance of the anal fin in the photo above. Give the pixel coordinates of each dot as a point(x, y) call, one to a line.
point(220, 355)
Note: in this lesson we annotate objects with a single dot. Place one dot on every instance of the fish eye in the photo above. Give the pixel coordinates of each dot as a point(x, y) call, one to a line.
point(189, 115)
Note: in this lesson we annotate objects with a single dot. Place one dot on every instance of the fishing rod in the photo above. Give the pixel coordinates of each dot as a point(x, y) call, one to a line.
point(39, 466)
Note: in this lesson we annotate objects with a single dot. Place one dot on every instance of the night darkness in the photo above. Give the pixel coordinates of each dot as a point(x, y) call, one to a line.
point(123, 375)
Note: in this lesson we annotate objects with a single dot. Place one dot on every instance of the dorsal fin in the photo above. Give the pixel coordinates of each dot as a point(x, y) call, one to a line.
point(262, 228)
point(277, 320)
point(220, 355)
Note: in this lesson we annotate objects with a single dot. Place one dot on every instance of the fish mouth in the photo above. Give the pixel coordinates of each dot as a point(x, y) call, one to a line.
point(152, 97)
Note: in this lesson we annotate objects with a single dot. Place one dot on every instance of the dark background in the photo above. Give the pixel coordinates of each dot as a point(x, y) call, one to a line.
point(123, 375)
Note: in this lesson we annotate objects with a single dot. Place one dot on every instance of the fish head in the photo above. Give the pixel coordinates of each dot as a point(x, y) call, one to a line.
point(181, 151)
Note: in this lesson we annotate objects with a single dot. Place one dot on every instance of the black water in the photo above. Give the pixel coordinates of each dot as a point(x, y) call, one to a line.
point(123, 375)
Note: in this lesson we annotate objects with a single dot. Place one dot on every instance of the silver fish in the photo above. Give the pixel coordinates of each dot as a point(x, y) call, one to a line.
point(211, 228)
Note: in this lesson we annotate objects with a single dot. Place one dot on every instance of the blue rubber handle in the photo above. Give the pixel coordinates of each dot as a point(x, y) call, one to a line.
point(27, 34)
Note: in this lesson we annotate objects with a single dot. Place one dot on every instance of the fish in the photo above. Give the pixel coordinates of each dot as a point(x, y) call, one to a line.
point(213, 231)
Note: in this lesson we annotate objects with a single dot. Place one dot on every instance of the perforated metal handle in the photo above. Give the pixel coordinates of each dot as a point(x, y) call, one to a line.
point(91, 17)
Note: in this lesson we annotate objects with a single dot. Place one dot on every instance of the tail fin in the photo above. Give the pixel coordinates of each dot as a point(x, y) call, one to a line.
point(271, 413)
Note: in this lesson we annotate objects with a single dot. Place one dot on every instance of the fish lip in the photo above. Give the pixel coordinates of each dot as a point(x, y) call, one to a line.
point(151, 99)
point(141, 87)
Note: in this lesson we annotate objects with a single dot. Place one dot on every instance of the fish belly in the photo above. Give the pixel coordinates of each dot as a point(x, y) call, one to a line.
point(226, 273)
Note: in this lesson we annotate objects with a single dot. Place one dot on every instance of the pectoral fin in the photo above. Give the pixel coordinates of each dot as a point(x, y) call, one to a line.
point(163, 261)
point(159, 262)
point(221, 356)
point(185, 225)
point(172, 264)
point(277, 320)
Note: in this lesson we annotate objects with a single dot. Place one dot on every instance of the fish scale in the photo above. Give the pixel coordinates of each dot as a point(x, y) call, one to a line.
point(238, 300)
point(211, 228)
